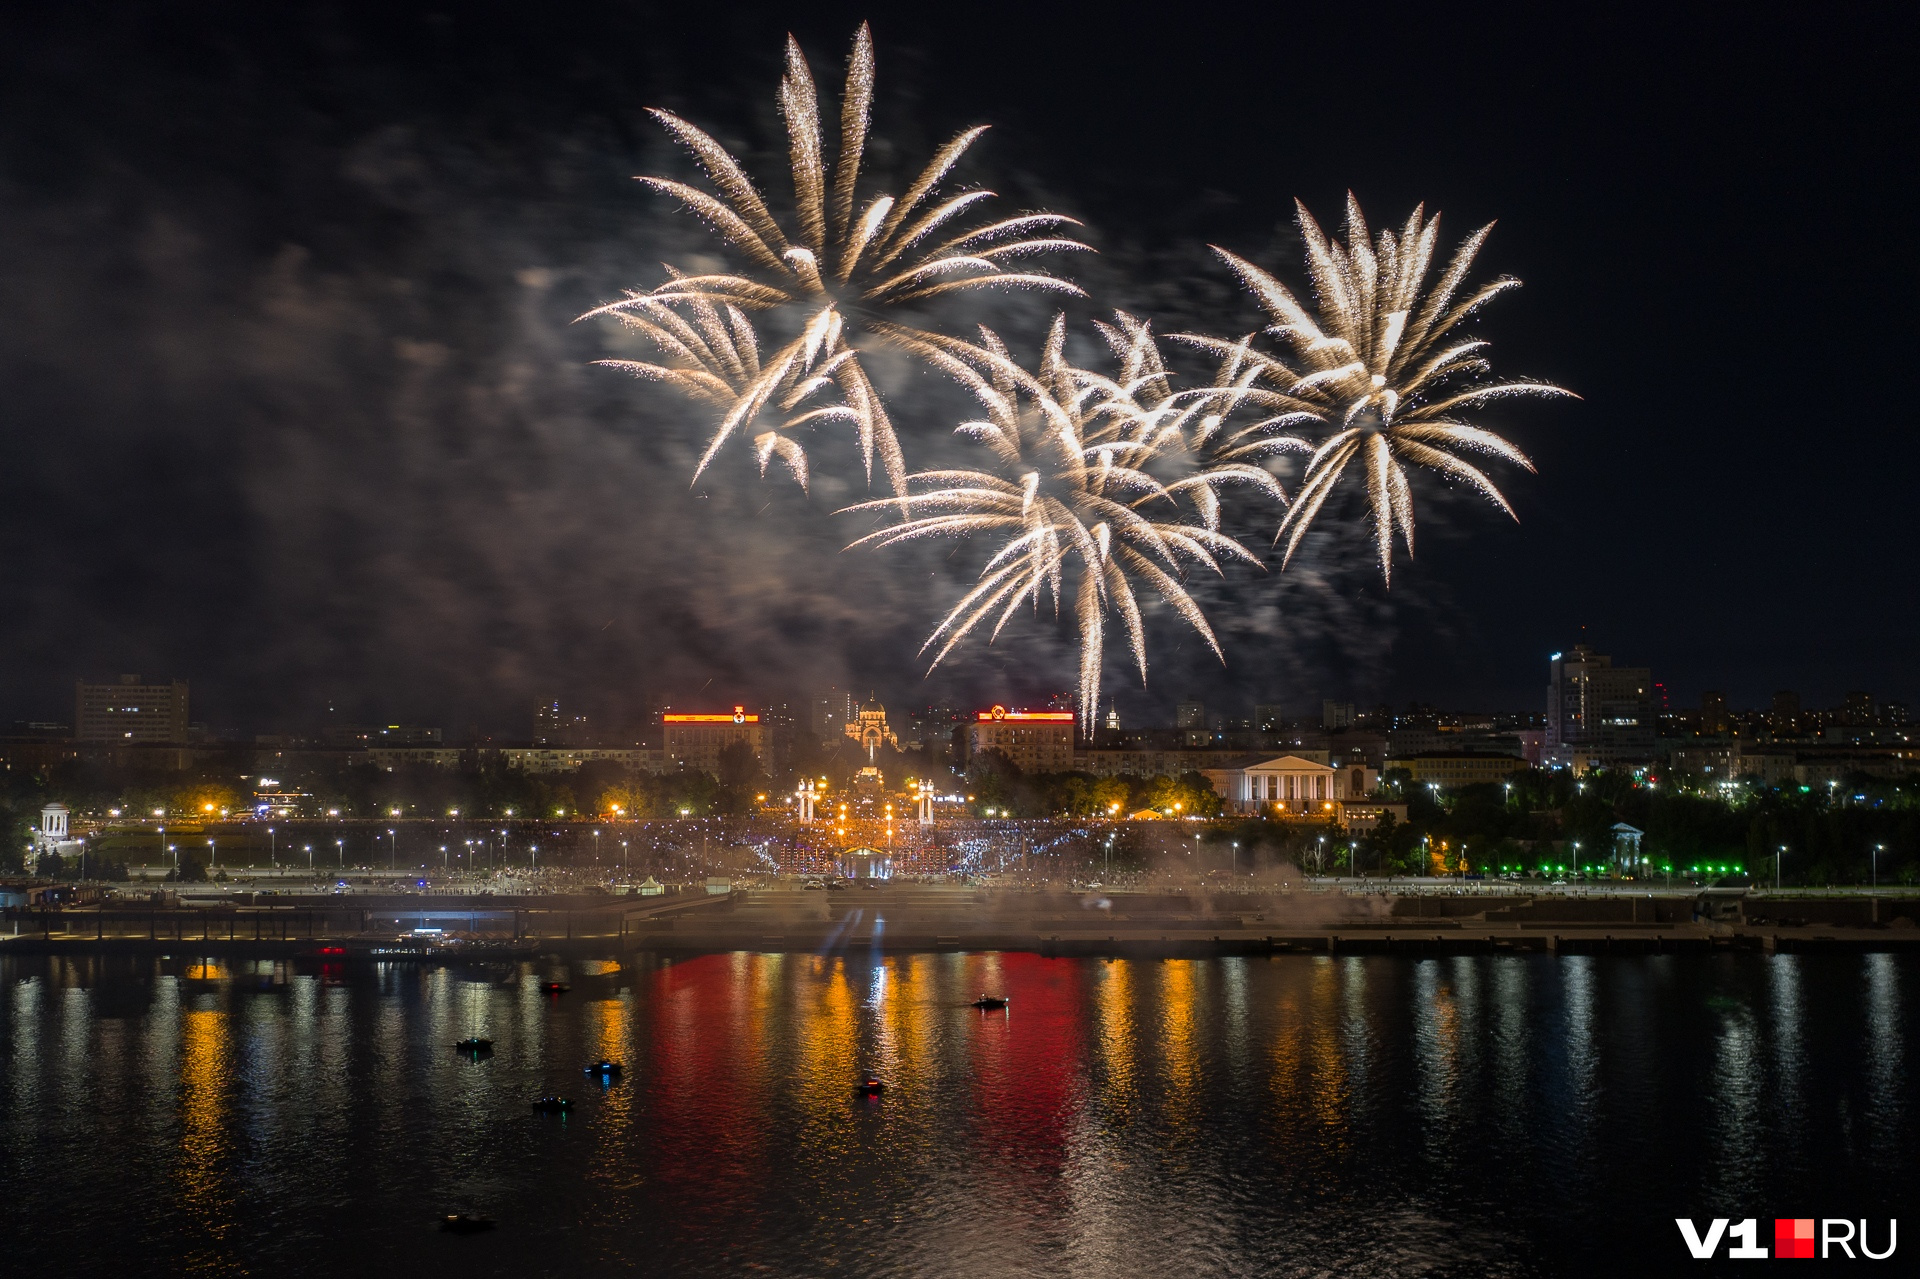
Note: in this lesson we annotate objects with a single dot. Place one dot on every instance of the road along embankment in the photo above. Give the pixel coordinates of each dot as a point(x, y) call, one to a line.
point(923, 917)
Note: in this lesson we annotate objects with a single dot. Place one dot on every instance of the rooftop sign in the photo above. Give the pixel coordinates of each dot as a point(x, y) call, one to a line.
point(1026, 717)
point(739, 716)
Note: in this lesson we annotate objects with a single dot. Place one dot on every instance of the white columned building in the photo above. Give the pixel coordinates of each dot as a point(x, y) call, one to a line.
point(1288, 785)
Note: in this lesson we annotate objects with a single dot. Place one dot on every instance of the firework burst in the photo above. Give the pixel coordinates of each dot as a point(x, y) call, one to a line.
point(1071, 493)
point(839, 262)
point(1378, 370)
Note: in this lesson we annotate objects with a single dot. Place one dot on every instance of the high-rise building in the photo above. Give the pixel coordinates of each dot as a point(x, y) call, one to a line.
point(1713, 713)
point(1336, 714)
point(1269, 717)
point(829, 712)
point(1033, 741)
point(1190, 714)
point(696, 740)
point(555, 727)
point(1859, 709)
point(1597, 713)
point(130, 711)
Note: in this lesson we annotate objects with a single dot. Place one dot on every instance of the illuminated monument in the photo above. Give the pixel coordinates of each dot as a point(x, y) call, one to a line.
point(869, 728)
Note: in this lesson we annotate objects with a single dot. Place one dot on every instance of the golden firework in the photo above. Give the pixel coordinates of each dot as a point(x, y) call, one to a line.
point(1072, 494)
point(839, 260)
point(1377, 367)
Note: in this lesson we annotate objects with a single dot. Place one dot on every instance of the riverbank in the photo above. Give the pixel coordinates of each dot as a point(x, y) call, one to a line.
point(940, 917)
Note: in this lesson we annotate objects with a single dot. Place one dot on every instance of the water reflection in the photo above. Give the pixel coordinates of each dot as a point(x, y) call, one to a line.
point(1436, 1050)
point(1888, 1024)
point(1736, 1089)
point(204, 1140)
point(1179, 1046)
point(1203, 1117)
point(1787, 1100)
point(1116, 1037)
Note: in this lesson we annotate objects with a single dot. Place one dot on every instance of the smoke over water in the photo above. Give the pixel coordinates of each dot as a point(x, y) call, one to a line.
point(299, 412)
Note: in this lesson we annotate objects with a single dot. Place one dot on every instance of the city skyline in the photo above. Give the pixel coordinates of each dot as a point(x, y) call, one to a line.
point(553, 721)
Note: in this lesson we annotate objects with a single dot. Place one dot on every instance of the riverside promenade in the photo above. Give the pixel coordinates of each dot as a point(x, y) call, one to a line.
point(915, 916)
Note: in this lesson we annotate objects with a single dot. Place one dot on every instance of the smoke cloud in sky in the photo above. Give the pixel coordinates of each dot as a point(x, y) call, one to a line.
point(299, 412)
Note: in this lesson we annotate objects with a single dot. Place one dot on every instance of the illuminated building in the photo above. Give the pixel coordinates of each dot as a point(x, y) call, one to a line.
point(868, 726)
point(1033, 741)
point(54, 835)
point(1288, 785)
point(695, 741)
point(1597, 713)
point(865, 863)
point(130, 711)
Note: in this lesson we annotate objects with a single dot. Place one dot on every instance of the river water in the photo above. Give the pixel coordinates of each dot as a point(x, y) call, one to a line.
point(1485, 1115)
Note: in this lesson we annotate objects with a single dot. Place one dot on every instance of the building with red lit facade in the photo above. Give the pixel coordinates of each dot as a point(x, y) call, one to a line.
point(696, 740)
point(1033, 741)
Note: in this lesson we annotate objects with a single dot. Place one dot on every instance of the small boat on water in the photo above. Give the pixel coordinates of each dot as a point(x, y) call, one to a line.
point(463, 1223)
point(869, 1088)
point(554, 988)
point(553, 1105)
point(603, 1069)
point(990, 1003)
point(475, 1045)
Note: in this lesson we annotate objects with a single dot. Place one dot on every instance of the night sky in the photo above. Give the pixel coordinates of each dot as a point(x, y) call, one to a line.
point(294, 409)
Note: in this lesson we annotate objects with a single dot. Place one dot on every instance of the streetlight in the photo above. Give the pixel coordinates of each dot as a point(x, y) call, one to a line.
point(1776, 867)
point(273, 849)
point(596, 848)
point(1877, 850)
point(393, 852)
point(309, 859)
point(340, 847)
point(623, 860)
point(213, 856)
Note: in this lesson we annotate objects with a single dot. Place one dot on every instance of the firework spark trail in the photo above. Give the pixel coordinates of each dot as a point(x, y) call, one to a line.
point(1072, 492)
point(837, 265)
point(1374, 369)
